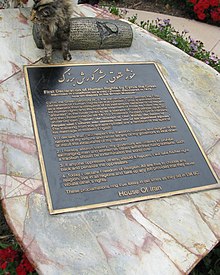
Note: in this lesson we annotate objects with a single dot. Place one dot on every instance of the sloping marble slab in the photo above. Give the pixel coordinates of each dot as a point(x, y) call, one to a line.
point(161, 236)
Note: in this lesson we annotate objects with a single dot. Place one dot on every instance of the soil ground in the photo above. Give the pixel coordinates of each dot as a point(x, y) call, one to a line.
point(171, 7)
point(6, 237)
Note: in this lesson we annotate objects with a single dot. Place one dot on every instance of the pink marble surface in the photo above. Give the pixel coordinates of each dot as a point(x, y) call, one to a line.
point(161, 236)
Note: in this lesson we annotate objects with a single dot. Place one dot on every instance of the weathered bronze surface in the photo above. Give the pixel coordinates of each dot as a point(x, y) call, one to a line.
point(111, 133)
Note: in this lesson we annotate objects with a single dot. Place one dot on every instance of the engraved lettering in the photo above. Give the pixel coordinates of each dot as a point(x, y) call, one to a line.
point(111, 131)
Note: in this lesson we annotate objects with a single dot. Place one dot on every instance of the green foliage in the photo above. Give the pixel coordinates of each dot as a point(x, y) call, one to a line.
point(210, 265)
point(164, 30)
point(133, 19)
point(114, 10)
point(13, 261)
point(195, 48)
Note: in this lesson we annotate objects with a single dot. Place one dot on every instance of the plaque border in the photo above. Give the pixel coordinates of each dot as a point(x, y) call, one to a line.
point(121, 201)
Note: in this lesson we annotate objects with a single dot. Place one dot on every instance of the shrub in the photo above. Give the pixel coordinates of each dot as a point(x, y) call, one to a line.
point(14, 261)
point(195, 48)
point(164, 30)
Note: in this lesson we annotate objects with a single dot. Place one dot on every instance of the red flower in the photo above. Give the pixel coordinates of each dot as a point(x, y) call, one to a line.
point(27, 264)
point(20, 270)
point(214, 3)
point(201, 16)
point(198, 9)
point(193, 1)
point(203, 4)
point(24, 266)
point(8, 254)
point(3, 265)
point(215, 15)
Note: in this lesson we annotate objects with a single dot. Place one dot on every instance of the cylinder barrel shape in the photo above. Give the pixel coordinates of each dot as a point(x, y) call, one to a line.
point(88, 33)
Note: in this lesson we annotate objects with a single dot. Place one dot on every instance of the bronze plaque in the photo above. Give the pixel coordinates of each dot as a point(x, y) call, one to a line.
point(109, 134)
